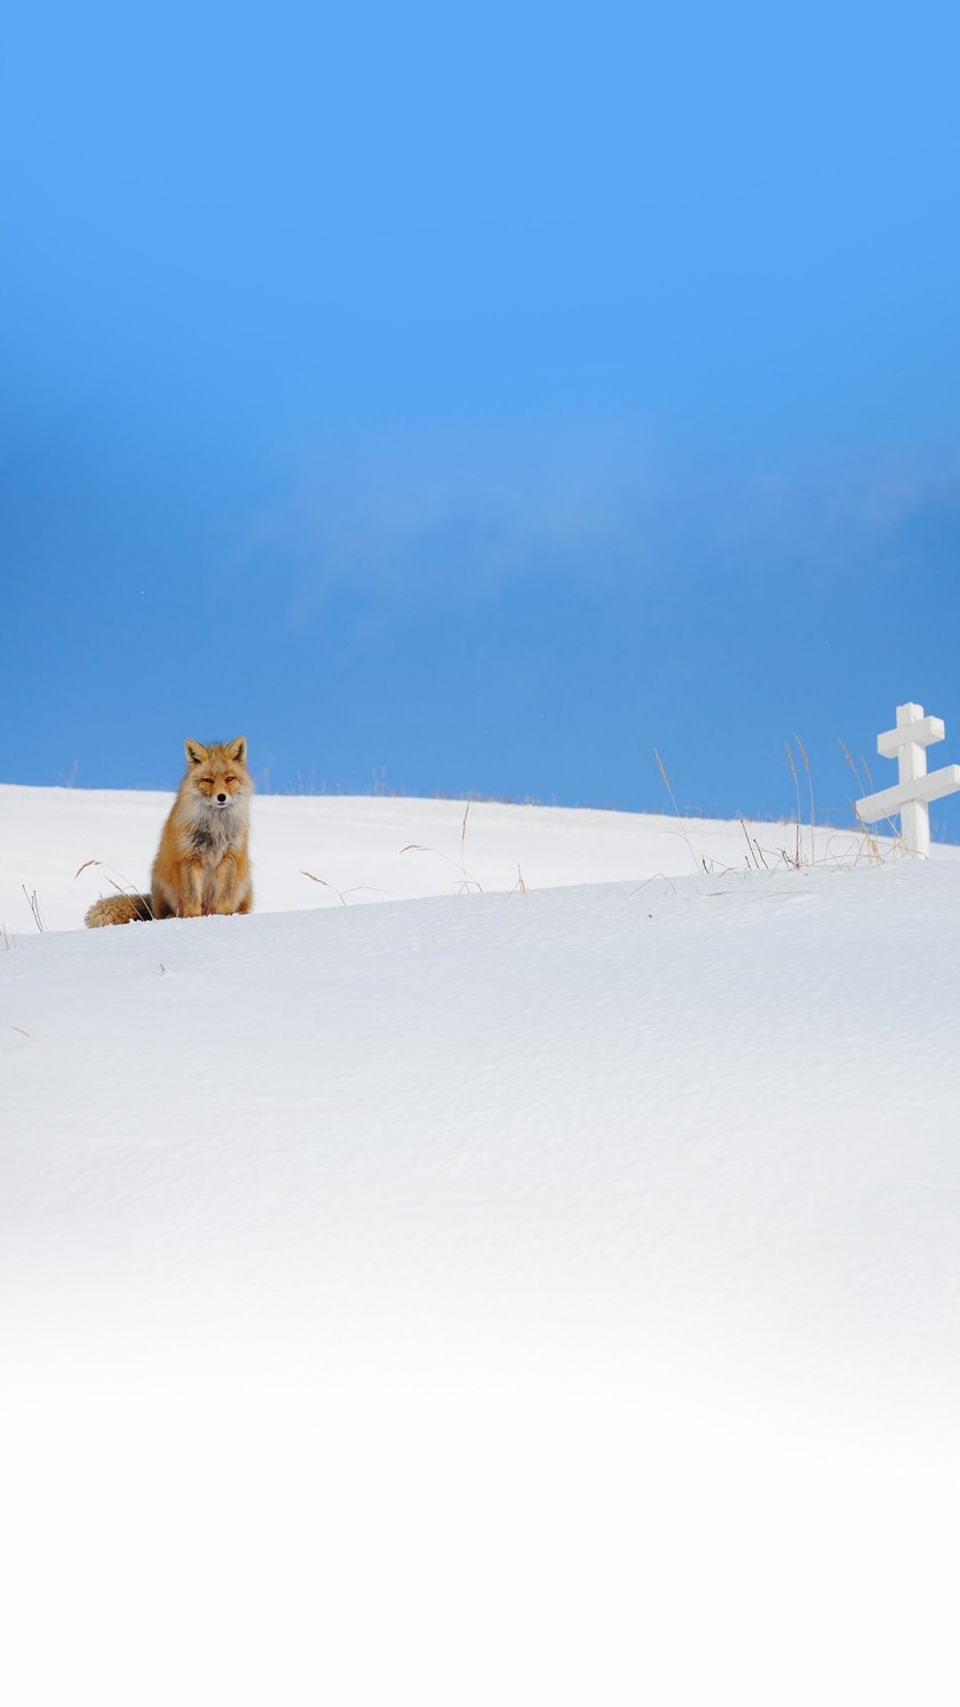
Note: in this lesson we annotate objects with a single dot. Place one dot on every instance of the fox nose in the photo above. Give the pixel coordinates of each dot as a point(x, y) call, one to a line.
point(222, 799)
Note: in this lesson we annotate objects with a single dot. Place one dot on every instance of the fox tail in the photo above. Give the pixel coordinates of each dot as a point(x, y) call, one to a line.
point(119, 910)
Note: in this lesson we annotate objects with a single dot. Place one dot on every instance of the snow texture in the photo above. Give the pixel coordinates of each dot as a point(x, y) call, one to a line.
point(538, 1296)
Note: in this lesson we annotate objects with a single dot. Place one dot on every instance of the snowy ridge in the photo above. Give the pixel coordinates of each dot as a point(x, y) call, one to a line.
point(67, 846)
point(516, 1297)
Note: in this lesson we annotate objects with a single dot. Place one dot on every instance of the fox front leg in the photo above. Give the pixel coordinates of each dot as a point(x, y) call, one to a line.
point(192, 889)
point(226, 884)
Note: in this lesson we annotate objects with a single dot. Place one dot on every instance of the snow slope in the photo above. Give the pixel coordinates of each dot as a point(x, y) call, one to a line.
point(545, 1296)
point(357, 848)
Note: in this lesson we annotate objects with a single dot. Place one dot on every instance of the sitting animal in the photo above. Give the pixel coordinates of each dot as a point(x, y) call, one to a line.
point(202, 864)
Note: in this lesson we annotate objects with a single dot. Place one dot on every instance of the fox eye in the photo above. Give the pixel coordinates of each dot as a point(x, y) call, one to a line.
point(229, 779)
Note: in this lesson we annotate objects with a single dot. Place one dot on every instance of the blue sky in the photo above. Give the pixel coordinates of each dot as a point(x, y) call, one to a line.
point(477, 400)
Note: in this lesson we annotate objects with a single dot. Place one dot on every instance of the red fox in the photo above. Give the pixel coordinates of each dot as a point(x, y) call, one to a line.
point(202, 865)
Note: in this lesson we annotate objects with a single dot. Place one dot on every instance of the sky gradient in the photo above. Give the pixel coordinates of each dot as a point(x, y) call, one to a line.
point(476, 402)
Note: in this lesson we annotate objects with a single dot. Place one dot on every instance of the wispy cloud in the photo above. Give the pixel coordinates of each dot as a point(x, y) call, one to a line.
point(475, 509)
point(465, 506)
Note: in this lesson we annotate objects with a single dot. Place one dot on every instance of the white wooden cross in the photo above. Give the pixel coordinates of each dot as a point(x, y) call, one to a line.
point(911, 797)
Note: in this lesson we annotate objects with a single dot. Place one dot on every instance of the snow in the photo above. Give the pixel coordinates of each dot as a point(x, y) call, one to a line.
point(545, 1294)
point(371, 849)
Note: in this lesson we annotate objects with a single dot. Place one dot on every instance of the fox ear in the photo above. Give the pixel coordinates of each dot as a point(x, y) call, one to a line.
point(237, 750)
point(195, 753)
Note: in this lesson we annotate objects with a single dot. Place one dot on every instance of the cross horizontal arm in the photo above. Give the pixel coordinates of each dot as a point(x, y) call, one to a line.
point(931, 787)
point(923, 733)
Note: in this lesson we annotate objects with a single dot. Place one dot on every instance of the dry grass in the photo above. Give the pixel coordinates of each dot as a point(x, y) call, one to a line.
point(894, 836)
point(34, 906)
point(791, 761)
point(814, 848)
point(357, 889)
point(679, 815)
point(467, 885)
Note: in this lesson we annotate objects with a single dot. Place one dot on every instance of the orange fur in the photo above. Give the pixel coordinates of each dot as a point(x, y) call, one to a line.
point(202, 863)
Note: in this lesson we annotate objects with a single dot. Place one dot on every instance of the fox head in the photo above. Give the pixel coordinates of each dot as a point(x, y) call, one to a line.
point(219, 772)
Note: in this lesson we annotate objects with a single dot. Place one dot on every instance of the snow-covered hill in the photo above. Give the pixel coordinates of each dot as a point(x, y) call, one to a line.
point(542, 1295)
point(66, 846)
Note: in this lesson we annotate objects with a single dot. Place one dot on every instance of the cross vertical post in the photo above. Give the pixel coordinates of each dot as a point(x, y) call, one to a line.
point(912, 764)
